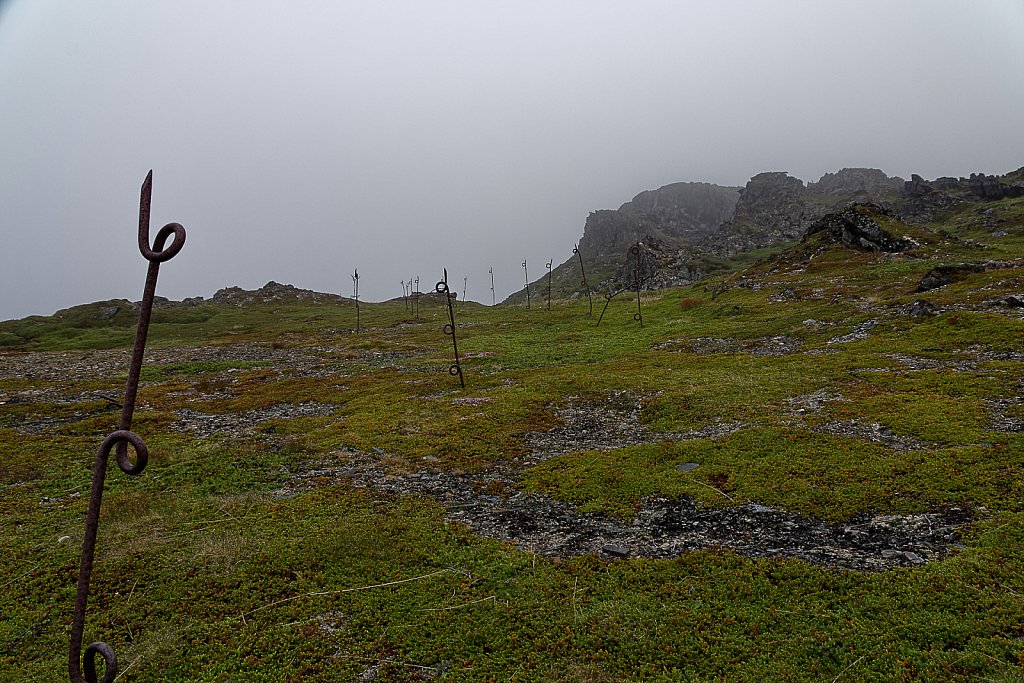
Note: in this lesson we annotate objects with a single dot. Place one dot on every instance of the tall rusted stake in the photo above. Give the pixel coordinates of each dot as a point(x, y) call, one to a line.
point(405, 296)
point(82, 669)
point(491, 271)
point(449, 328)
point(355, 295)
point(416, 296)
point(465, 284)
point(550, 261)
point(635, 251)
point(527, 274)
point(583, 272)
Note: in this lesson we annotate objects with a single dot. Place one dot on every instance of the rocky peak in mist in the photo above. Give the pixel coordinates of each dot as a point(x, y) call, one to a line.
point(688, 228)
point(856, 182)
point(680, 213)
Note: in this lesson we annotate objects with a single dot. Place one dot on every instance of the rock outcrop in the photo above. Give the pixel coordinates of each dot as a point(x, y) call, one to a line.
point(272, 291)
point(855, 227)
point(773, 208)
point(858, 183)
point(680, 213)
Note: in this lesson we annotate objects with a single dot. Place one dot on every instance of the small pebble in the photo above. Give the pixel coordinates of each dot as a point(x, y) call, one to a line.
point(615, 550)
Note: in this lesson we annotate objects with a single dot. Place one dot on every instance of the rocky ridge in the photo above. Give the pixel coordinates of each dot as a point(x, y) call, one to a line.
point(686, 228)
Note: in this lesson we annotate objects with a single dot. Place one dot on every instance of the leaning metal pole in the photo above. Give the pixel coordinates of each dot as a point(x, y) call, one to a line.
point(449, 328)
point(85, 671)
point(590, 300)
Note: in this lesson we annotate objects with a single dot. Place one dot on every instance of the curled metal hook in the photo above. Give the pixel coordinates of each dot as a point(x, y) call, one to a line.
point(82, 666)
point(449, 328)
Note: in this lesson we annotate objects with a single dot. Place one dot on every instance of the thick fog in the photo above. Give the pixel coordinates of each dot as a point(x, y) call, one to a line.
point(296, 141)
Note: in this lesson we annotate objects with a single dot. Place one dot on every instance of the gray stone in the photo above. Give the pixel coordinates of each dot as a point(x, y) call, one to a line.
point(913, 557)
point(615, 550)
point(687, 466)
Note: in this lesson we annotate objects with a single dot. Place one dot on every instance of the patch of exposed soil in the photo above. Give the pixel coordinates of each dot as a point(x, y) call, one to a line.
point(763, 346)
point(492, 503)
point(205, 425)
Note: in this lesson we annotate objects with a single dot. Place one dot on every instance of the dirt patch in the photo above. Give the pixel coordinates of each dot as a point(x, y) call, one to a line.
point(493, 504)
point(205, 425)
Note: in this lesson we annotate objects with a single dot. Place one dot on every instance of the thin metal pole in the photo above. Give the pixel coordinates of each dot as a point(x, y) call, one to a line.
point(550, 261)
point(590, 300)
point(527, 273)
point(639, 316)
point(355, 295)
point(82, 669)
point(491, 271)
point(449, 328)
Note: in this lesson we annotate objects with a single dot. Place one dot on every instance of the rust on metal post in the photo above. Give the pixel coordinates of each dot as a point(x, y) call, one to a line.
point(635, 251)
point(449, 328)
point(82, 669)
point(491, 271)
point(583, 272)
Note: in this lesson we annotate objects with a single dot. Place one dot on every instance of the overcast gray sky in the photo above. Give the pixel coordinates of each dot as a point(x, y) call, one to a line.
point(298, 140)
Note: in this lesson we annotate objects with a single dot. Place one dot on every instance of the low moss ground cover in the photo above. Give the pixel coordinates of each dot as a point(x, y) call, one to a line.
point(211, 567)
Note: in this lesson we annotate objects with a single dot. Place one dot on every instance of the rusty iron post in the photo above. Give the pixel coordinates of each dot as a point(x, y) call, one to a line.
point(416, 297)
point(583, 272)
point(449, 328)
point(405, 296)
point(465, 285)
point(550, 261)
point(638, 283)
point(638, 316)
point(527, 274)
point(491, 271)
point(82, 669)
point(355, 295)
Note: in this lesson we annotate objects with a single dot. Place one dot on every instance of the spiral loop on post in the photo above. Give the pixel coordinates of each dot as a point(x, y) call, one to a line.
point(126, 465)
point(455, 370)
point(441, 287)
point(109, 659)
point(157, 253)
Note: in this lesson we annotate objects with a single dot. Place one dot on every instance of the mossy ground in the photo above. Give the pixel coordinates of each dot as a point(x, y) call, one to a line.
point(204, 574)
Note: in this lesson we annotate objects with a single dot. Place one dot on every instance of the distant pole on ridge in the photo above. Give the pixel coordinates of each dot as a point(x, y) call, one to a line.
point(491, 271)
point(527, 274)
point(550, 261)
point(355, 295)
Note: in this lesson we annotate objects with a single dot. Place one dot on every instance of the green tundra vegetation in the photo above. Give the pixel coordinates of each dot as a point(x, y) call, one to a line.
point(213, 565)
